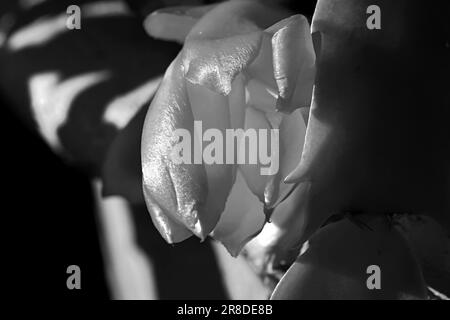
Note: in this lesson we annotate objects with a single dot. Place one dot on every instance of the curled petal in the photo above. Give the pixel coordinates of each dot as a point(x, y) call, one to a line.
point(278, 244)
point(294, 62)
point(260, 96)
point(178, 189)
point(292, 139)
point(261, 69)
point(316, 145)
point(290, 217)
point(226, 41)
point(170, 230)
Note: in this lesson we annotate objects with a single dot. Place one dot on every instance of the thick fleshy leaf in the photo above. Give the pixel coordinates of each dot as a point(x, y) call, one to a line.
point(261, 69)
point(369, 147)
point(178, 190)
point(242, 219)
point(334, 265)
point(232, 18)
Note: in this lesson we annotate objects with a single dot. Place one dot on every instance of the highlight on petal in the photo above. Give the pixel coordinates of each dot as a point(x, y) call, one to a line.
point(211, 112)
point(170, 230)
point(294, 62)
point(335, 257)
point(279, 243)
point(260, 96)
point(215, 63)
point(242, 219)
point(225, 41)
point(177, 189)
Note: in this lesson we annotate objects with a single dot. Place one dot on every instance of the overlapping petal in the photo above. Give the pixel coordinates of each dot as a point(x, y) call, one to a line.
point(232, 73)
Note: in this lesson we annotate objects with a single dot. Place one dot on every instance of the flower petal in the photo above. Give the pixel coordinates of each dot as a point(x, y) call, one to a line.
point(242, 218)
point(225, 41)
point(213, 111)
point(292, 138)
point(316, 145)
point(294, 62)
point(236, 101)
point(178, 189)
point(255, 120)
point(170, 230)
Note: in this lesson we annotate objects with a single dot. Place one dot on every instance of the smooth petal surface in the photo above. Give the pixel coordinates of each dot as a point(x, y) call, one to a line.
point(215, 63)
point(371, 145)
point(251, 168)
point(279, 243)
point(290, 217)
point(171, 230)
point(177, 189)
point(292, 139)
point(334, 265)
point(225, 41)
point(294, 62)
point(242, 218)
point(212, 109)
point(288, 145)
point(174, 23)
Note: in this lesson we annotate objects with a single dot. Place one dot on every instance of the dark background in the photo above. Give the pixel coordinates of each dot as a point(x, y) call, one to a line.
point(50, 221)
